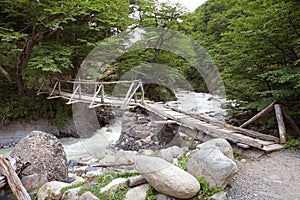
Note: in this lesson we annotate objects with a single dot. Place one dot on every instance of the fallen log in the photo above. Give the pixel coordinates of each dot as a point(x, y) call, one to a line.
point(13, 180)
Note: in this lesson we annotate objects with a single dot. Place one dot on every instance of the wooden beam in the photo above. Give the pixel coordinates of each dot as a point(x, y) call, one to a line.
point(13, 180)
point(280, 122)
point(252, 133)
point(259, 115)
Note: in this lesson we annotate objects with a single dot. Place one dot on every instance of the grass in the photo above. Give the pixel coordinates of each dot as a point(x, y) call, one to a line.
point(292, 144)
point(206, 191)
point(100, 182)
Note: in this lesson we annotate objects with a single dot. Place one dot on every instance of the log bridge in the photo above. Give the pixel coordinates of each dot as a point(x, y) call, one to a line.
point(192, 125)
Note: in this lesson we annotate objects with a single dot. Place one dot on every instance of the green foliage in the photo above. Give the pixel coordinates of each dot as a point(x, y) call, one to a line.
point(255, 44)
point(206, 191)
point(182, 162)
point(150, 194)
point(292, 144)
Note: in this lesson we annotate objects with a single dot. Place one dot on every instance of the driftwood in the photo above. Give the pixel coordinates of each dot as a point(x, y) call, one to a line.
point(13, 180)
point(259, 115)
point(137, 180)
point(280, 122)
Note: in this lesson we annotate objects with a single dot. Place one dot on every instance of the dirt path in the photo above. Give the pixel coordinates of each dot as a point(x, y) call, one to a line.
point(274, 176)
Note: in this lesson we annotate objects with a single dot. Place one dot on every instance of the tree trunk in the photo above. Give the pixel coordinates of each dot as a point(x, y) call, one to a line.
point(25, 56)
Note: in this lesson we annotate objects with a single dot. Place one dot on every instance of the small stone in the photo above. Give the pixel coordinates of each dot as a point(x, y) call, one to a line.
point(34, 181)
point(137, 193)
point(71, 194)
point(219, 196)
point(113, 185)
point(51, 190)
point(164, 197)
point(88, 196)
point(171, 152)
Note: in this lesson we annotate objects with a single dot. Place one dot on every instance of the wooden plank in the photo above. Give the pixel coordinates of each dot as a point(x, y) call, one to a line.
point(273, 147)
point(263, 142)
point(280, 122)
point(259, 115)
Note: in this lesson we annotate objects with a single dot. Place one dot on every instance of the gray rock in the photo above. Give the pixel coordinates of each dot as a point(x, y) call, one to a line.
point(212, 165)
point(167, 178)
point(72, 194)
point(164, 197)
point(220, 143)
point(137, 193)
point(45, 154)
point(34, 181)
point(219, 196)
point(88, 196)
point(51, 190)
point(171, 152)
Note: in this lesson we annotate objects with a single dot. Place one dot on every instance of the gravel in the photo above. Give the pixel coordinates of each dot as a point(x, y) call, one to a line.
point(275, 176)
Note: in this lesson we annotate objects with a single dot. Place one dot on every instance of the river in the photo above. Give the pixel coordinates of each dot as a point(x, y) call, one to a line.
point(203, 104)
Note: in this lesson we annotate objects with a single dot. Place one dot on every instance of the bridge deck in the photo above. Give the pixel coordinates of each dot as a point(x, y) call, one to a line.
point(192, 125)
point(197, 129)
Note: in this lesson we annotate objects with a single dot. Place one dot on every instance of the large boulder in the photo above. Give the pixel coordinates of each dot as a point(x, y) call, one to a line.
point(213, 166)
point(220, 143)
point(167, 178)
point(45, 154)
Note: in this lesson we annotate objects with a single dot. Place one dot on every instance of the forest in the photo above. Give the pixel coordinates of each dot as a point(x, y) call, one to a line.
point(255, 45)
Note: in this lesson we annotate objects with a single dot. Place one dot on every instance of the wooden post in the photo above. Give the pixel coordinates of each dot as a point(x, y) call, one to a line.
point(13, 180)
point(280, 122)
point(102, 93)
point(259, 115)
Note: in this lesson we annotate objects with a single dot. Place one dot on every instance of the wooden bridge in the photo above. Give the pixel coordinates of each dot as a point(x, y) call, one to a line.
point(194, 126)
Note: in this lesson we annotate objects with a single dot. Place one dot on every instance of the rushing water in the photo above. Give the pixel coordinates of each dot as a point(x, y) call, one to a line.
point(202, 104)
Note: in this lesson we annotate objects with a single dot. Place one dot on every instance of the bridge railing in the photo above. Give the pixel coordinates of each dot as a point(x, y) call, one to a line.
point(93, 92)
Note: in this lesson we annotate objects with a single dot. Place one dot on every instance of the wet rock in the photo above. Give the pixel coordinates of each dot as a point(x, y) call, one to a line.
point(137, 193)
point(211, 164)
point(170, 153)
point(45, 154)
point(34, 181)
point(220, 143)
point(88, 196)
point(167, 178)
point(51, 190)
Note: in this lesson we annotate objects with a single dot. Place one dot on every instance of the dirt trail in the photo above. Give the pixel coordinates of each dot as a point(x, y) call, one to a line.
point(274, 176)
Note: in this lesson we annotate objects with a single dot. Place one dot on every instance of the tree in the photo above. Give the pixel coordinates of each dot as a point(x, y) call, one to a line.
point(46, 37)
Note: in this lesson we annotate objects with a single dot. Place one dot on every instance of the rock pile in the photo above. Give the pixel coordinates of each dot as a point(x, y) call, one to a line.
point(140, 131)
point(213, 161)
